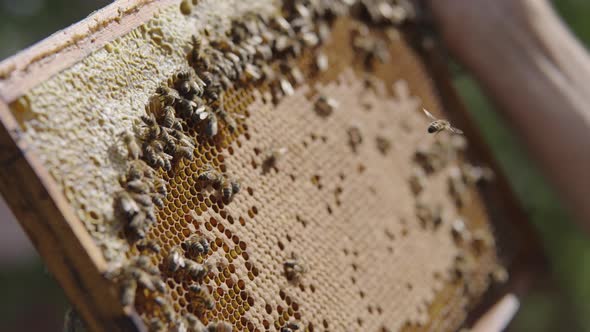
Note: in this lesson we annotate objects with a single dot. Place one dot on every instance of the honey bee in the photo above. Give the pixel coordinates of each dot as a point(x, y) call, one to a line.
point(459, 231)
point(175, 260)
point(143, 279)
point(168, 117)
point(499, 274)
point(211, 127)
point(126, 205)
point(463, 265)
point(152, 128)
point(185, 108)
point(133, 149)
point(138, 186)
point(194, 323)
point(252, 73)
point(157, 200)
point(196, 49)
point(166, 95)
point(145, 263)
point(195, 270)
point(156, 325)
point(290, 327)
point(128, 289)
point(178, 325)
point(383, 144)
point(137, 225)
point(324, 106)
point(202, 296)
point(321, 62)
point(197, 245)
point(210, 176)
point(188, 86)
point(286, 87)
point(481, 240)
point(475, 174)
point(457, 187)
point(428, 214)
point(219, 327)
point(184, 152)
point(272, 158)
point(166, 308)
point(229, 189)
point(438, 125)
point(138, 169)
point(151, 154)
point(417, 180)
point(355, 137)
point(294, 270)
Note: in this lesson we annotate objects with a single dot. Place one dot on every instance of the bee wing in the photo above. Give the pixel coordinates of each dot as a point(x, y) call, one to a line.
point(456, 131)
point(430, 116)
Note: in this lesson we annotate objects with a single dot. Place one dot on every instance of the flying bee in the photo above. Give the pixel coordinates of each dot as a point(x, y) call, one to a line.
point(133, 150)
point(151, 245)
point(175, 260)
point(219, 327)
point(438, 125)
point(294, 270)
point(197, 245)
point(128, 289)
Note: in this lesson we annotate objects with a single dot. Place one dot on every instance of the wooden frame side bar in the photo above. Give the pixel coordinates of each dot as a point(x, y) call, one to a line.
point(58, 235)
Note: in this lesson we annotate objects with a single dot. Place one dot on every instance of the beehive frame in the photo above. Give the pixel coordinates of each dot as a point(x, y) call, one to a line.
point(50, 221)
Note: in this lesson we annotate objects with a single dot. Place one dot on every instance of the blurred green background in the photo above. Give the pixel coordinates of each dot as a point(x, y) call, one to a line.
point(30, 300)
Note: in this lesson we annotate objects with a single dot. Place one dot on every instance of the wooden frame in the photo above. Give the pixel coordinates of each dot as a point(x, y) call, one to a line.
point(49, 221)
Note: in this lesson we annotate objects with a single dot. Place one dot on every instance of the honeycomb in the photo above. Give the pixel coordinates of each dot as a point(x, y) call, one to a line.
point(380, 245)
